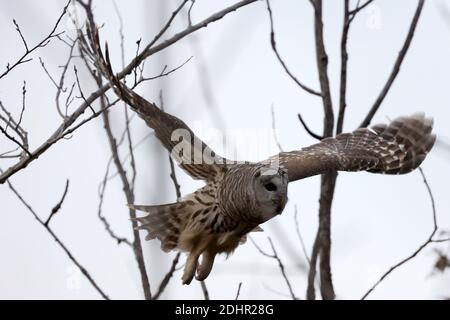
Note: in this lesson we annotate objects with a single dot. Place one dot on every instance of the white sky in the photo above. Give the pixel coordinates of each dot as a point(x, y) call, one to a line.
point(377, 220)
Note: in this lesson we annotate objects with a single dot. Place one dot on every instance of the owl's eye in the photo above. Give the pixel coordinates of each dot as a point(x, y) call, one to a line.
point(270, 186)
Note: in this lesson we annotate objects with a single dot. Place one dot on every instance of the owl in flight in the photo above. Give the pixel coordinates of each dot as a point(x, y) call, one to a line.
point(239, 196)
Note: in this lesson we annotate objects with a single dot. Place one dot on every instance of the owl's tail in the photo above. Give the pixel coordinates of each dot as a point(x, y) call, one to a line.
point(397, 148)
point(164, 222)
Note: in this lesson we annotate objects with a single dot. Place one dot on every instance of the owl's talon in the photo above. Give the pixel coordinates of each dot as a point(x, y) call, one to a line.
point(189, 268)
point(186, 281)
point(204, 269)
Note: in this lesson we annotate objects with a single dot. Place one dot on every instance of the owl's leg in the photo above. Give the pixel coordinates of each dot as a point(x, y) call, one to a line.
point(189, 268)
point(205, 267)
point(192, 260)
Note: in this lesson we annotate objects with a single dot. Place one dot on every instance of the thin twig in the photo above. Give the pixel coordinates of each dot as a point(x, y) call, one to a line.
point(280, 264)
point(60, 87)
point(167, 277)
point(127, 121)
point(299, 235)
point(420, 248)
point(21, 35)
point(397, 65)
point(173, 175)
point(238, 291)
point(189, 13)
point(129, 195)
point(42, 43)
point(204, 290)
point(56, 136)
point(440, 240)
point(24, 92)
point(48, 73)
point(59, 242)
point(165, 73)
point(307, 129)
point(126, 186)
point(274, 129)
point(166, 26)
point(57, 207)
point(280, 60)
point(7, 135)
point(360, 7)
point(81, 91)
point(102, 218)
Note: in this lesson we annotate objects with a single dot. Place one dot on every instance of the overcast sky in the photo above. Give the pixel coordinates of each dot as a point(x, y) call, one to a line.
point(229, 86)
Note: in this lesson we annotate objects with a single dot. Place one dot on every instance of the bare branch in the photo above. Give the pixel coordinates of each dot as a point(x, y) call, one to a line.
point(8, 154)
point(165, 73)
point(167, 25)
point(275, 256)
point(7, 135)
point(167, 277)
point(24, 92)
point(57, 207)
point(420, 248)
point(57, 135)
point(21, 35)
point(204, 290)
point(360, 7)
point(311, 290)
point(189, 13)
point(81, 91)
point(238, 291)
point(274, 129)
point(307, 129)
point(328, 180)
point(127, 121)
point(299, 235)
point(172, 166)
point(344, 60)
point(440, 240)
point(283, 64)
point(129, 195)
point(60, 86)
point(42, 43)
point(48, 73)
point(105, 222)
point(397, 65)
point(58, 241)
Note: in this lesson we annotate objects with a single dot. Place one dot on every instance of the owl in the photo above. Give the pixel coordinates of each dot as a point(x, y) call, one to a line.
point(239, 196)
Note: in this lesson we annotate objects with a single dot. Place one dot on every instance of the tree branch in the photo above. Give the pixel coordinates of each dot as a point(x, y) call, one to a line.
point(129, 195)
point(57, 207)
point(280, 264)
point(328, 180)
point(420, 248)
point(307, 129)
point(56, 136)
point(280, 60)
point(58, 241)
point(238, 291)
point(204, 290)
point(167, 277)
point(344, 60)
point(42, 43)
point(396, 67)
point(360, 7)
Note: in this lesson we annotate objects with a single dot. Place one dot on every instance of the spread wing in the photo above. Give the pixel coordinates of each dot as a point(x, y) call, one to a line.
point(191, 153)
point(397, 148)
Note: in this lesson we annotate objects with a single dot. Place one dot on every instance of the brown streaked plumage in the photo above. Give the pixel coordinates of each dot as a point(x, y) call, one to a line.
point(238, 197)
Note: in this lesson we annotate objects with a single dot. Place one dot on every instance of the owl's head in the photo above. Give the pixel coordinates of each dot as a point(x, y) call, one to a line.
point(270, 192)
point(253, 193)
